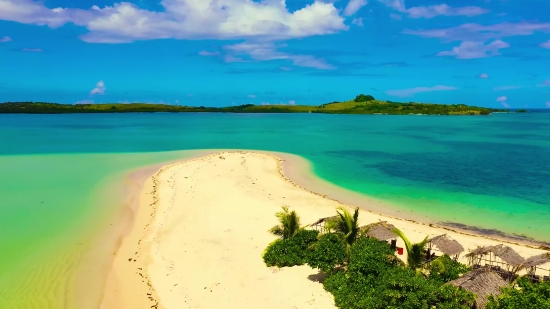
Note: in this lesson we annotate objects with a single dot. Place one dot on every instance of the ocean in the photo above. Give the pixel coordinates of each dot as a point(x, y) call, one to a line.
point(61, 175)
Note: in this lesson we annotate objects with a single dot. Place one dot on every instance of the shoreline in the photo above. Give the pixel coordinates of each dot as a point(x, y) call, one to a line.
point(136, 243)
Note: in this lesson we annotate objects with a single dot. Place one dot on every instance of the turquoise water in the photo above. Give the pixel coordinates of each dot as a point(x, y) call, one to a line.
point(490, 172)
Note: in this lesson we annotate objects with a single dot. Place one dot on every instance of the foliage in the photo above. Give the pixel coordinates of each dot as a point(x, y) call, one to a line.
point(527, 295)
point(363, 98)
point(289, 224)
point(366, 105)
point(375, 280)
point(415, 252)
point(327, 253)
point(291, 251)
point(347, 225)
point(445, 269)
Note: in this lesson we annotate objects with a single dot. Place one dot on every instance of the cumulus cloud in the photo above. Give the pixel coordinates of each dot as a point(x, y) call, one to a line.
point(502, 100)
point(548, 104)
point(413, 91)
point(183, 19)
point(546, 82)
point(357, 21)
point(354, 6)
point(208, 53)
point(545, 44)
point(396, 16)
point(483, 75)
point(32, 50)
point(291, 102)
point(99, 88)
point(471, 50)
point(5, 39)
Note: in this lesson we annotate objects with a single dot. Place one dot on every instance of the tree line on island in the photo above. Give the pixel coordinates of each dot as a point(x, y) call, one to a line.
point(362, 104)
point(362, 272)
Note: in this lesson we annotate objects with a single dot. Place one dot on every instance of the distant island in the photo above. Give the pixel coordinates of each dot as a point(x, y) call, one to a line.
point(362, 104)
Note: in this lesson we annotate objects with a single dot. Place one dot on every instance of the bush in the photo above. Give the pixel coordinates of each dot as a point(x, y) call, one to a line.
point(290, 252)
point(529, 295)
point(328, 252)
point(363, 98)
point(445, 269)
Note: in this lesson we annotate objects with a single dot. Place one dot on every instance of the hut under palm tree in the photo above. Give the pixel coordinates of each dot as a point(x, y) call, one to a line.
point(320, 225)
point(482, 283)
point(382, 231)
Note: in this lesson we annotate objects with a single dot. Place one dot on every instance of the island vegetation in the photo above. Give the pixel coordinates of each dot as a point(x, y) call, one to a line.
point(363, 272)
point(362, 104)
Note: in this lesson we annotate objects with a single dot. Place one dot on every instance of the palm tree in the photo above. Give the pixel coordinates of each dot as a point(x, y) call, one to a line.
point(290, 224)
point(347, 225)
point(415, 252)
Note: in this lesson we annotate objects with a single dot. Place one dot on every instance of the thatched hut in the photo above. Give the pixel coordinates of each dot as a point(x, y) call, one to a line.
point(533, 262)
point(509, 258)
point(482, 283)
point(320, 225)
point(446, 245)
point(379, 230)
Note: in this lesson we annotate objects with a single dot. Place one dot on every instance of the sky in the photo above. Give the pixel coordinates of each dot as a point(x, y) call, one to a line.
point(493, 53)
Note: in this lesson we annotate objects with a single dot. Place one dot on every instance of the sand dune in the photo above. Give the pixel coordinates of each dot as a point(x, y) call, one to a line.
point(201, 228)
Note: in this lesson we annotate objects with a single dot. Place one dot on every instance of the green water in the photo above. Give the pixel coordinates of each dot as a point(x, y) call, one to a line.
point(60, 174)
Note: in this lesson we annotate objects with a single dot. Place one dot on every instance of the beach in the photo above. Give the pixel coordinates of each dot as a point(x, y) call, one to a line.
point(201, 225)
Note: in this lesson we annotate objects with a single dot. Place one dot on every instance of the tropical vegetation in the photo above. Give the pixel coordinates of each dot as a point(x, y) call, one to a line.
point(362, 104)
point(522, 295)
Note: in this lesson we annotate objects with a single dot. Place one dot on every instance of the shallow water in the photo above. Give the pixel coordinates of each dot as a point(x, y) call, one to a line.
point(491, 172)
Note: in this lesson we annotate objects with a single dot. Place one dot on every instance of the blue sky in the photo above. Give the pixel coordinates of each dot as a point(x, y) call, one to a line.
point(221, 52)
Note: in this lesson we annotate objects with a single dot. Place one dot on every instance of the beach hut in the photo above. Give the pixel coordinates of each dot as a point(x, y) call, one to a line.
point(320, 225)
point(496, 258)
point(533, 262)
point(446, 245)
point(382, 231)
point(482, 283)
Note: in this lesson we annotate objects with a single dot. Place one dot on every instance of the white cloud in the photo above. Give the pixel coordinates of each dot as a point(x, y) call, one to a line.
point(545, 44)
point(507, 87)
point(291, 102)
point(483, 75)
point(99, 88)
point(32, 50)
point(208, 53)
point(548, 104)
point(413, 91)
point(252, 96)
point(5, 39)
point(502, 100)
point(84, 102)
point(444, 10)
point(184, 19)
point(268, 51)
point(472, 50)
point(357, 21)
point(354, 6)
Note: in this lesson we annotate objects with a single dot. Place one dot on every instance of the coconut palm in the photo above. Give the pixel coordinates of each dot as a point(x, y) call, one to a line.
point(290, 224)
point(415, 252)
point(347, 225)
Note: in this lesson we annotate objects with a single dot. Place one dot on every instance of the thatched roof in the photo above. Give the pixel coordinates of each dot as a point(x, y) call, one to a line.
point(322, 220)
point(537, 260)
point(447, 245)
point(380, 230)
point(505, 253)
point(482, 283)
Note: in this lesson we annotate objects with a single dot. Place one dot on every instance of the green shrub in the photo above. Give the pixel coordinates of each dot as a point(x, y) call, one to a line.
point(529, 295)
point(328, 252)
point(445, 269)
point(290, 252)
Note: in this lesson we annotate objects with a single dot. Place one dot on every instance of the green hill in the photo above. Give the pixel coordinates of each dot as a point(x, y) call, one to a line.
point(362, 104)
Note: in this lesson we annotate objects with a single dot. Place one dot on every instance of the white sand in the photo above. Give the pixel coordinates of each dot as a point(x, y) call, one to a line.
point(201, 228)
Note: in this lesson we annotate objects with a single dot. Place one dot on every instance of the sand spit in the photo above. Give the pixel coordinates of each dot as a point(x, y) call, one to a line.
point(201, 228)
